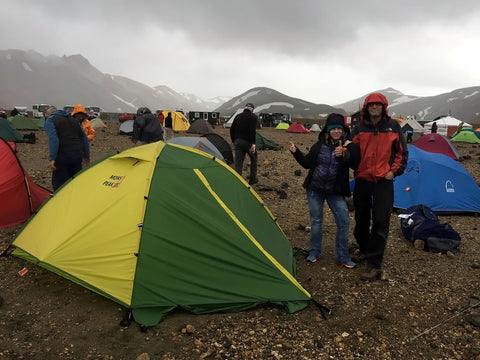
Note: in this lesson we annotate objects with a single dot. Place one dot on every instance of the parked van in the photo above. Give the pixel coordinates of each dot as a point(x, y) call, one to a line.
point(39, 109)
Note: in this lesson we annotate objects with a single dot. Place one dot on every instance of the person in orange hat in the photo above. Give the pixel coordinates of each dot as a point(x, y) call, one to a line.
point(80, 114)
point(383, 155)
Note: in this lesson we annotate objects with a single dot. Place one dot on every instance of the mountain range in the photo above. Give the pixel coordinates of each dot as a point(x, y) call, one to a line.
point(31, 78)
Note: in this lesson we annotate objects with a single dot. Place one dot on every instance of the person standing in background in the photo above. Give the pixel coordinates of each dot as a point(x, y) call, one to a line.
point(168, 126)
point(243, 136)
point(80, 114)
point(68, 146)
point(146, 127)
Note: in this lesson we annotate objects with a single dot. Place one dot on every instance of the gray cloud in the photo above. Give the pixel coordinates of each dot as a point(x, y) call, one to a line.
point(322, 51)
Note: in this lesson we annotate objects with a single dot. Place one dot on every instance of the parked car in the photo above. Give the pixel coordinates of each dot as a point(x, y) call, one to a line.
point(125, 116)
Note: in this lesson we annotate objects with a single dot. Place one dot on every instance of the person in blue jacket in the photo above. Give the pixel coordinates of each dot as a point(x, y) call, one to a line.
point(68, 146)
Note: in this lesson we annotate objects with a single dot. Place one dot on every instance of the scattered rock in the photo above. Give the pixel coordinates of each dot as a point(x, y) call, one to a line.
point(474, 319)
point(298, 172)
point(282, 194)
point(143, 356)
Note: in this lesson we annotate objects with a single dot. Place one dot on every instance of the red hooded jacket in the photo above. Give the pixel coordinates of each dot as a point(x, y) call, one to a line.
point(382, 146)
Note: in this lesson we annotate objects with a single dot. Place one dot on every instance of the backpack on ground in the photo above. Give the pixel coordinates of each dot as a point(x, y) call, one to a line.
point(419, 222)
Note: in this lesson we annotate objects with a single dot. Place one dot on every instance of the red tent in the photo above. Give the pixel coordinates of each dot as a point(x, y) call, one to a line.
point(297, 127)
point(436, 143)
point(21, 197)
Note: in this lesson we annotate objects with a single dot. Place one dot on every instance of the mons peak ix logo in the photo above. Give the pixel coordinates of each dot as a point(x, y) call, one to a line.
point(114, 181)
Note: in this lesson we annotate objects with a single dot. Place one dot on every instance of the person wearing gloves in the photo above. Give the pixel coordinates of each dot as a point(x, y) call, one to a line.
point(327, 180)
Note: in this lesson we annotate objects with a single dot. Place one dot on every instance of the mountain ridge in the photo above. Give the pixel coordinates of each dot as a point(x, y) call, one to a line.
point(29, 77)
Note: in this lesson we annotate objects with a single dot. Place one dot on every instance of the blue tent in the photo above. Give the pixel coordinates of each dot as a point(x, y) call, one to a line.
point(437, 181)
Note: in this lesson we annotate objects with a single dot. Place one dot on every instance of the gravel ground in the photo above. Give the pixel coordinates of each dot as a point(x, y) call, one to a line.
point(424, 308)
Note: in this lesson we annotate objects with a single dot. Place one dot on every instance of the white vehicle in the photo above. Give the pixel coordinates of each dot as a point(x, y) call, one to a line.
point(22, 110)
point(94, 109)
point(39, 109)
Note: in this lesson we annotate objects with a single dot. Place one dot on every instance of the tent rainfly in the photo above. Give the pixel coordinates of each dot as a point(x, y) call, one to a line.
point(208, 244)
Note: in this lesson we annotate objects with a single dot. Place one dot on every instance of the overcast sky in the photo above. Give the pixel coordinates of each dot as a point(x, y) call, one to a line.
point(321, 51)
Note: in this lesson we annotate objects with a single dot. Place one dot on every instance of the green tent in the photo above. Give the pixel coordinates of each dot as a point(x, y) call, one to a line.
point(8, 131)
point(263, 142)
point(466, 136)
point(41, 122)
point(97, 123)
point(282, 126)
point(208, 244)
point(21, 122)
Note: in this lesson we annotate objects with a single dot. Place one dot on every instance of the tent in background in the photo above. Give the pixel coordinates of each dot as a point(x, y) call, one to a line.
point(179, 121)
point(436, 143)
point(126, 127)
point(40, 122)
point(21, 122)
point(208, 244)
point(437, 181)
point(413, 125)
point(222, 145)
point(447, 125)
point(263, 142)
point(282, 126)
point(315, 128)
point(8, 131)
point(21, 197)
point(97, 123)
point(466, 136)
point(230, 121)
point(199, 143)
point(297, 127)
point(201, 126)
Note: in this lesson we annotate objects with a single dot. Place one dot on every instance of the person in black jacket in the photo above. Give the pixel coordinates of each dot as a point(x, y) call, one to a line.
point(146, 127)
point(168, 124)
point(68, 146)
point(327, 180)
point(243, 133)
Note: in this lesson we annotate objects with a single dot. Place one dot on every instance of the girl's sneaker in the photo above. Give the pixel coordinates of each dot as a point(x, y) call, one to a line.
point(348, 264)
point(312, 258)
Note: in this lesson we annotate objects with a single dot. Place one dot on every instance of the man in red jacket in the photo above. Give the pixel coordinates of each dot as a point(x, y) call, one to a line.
point(383, 155)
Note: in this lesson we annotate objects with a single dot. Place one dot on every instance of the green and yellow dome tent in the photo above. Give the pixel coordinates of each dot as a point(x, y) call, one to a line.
point(162, 226)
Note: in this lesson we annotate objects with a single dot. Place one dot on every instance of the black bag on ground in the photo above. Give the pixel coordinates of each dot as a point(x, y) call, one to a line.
point(29, 138)
point(419, 222)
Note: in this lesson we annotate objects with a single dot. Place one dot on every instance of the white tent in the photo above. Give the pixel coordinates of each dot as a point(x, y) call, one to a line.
point(230, 121)
point(444, 124)
point(412, 123)
point(315, 127)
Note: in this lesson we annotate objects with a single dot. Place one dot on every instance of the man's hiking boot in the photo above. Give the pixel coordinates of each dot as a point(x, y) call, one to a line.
point(371, 274)
point(358, 257)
